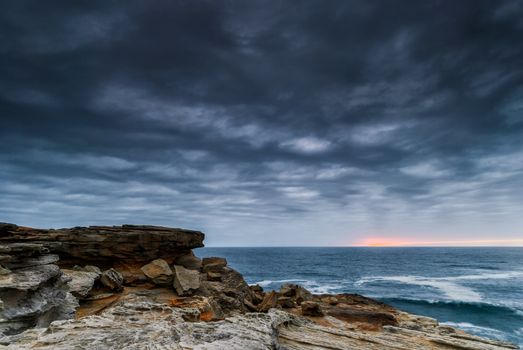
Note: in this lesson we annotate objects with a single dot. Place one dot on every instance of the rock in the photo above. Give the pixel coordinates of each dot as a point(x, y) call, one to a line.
point(302, 295)
point(103, 245)
point(214, 276)
point(159, 272)
point(33, 291)
point(213, 264)
point(191, 315)
point(331, 300)
point(94, 269)
point(376, 318)
point(186, 281)
point(208, 307)
point(288, 290)
point(189, 261)
point(310, 308)
point(250, 306)
point(296, 292)
point(230, 292)
point(256, 288)
point(112, 279)
point(81, 282)
point(135, 324)
point(286, 302)
point(269, 301)
point(4, 270)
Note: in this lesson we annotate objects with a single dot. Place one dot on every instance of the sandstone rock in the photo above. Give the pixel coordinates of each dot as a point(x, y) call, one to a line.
point(208, 307)
point(213, 264)
point(112, 279)
point(159, 272)
point(103, 245)
point(91, 268)
point(286, 302)
point(32, 291)
point(81, 282)
point(230, 292)
point(136, 324)
point(186, 281)
point(331, 300)
point(214, 276)
point(349, 315)
point(310, 308)
point(269, 301)
point(296, 292)
point(189, 261)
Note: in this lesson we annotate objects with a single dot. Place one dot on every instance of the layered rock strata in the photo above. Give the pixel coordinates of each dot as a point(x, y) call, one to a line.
point(105, 245)
point(33, 291)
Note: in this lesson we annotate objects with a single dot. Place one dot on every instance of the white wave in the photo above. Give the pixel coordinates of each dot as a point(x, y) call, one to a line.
point(266, 283)
point(450, 289)
point(447, 285)
point(474, 328)
point(486, 276)
point(312, 286)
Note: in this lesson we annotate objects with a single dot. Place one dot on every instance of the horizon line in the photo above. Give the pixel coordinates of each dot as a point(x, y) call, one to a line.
point(363, 246)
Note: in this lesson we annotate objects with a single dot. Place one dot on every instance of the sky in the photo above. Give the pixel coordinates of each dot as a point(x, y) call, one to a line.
point(266, 123)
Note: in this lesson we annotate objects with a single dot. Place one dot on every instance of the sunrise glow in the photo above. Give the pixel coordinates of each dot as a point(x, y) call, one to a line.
point(391, 242)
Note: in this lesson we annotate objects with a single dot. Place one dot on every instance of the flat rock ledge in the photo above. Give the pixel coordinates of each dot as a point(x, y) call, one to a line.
point(140, 322)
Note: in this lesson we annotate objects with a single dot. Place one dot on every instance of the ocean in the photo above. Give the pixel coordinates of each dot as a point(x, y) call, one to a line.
point(479, 290)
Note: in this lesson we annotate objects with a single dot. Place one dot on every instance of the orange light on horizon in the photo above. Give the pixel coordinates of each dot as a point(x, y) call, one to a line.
point(393, 242)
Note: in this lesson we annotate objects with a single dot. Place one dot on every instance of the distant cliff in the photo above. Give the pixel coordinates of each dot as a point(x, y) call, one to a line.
point(138, 287)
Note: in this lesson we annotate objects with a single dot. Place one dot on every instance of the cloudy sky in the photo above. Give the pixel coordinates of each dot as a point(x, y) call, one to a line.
point(266, 122)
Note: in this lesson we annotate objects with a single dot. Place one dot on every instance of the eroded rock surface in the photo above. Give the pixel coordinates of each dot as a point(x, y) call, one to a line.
point(33, 291)
point(103, 245)
point(140, 322)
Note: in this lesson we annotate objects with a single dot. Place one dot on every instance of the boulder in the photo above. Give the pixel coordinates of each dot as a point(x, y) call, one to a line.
point(296, 292)
point(286, 302)
point(159, 272)
point(189, 261)
point(91, 268)
point(185, 281)
point(81, 282)
point(311, 308)
point(112, 279)
point(231, 291)
point(213, 264)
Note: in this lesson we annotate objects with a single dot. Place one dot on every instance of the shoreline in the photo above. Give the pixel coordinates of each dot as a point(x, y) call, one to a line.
point(88, 288)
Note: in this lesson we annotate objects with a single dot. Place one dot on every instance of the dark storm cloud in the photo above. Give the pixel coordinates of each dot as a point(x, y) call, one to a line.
point(259, 121)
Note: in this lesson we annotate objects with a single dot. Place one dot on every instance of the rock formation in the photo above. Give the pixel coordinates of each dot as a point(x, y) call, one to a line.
point(33, 291)
point(142, 287)
point(105, 245)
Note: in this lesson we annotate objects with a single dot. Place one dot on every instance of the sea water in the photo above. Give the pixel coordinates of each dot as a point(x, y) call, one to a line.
point(479, 290)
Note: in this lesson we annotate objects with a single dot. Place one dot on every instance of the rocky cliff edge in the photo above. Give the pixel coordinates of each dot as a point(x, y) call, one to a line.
point(141, 287)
